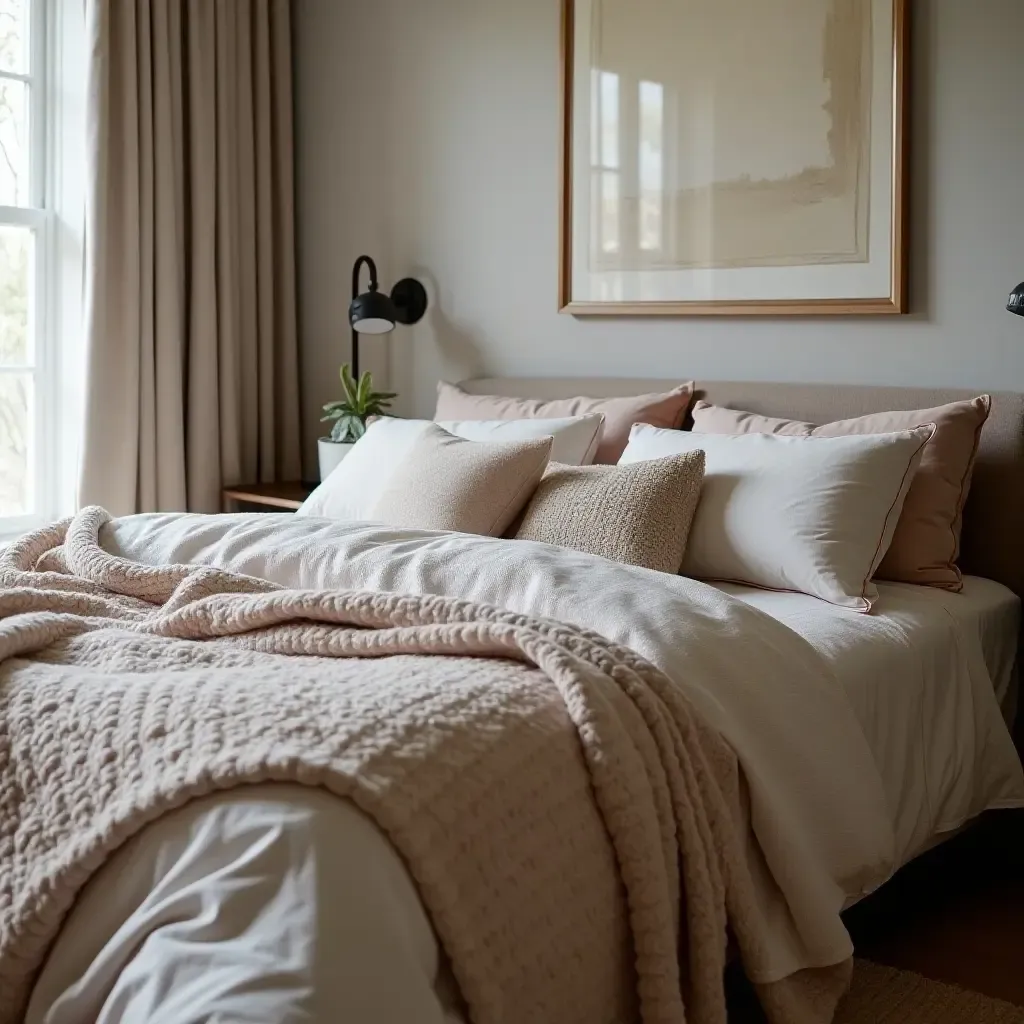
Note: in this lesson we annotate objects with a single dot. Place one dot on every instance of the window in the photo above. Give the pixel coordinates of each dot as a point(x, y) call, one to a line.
point(606, 190)
point(30, 356)
point(651, 158)
point(630, 206)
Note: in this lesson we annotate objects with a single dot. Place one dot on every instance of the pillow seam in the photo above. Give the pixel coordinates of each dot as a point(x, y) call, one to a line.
point(691, 393)
point(876, 559)
point(595, 441)
point(783, 590)
point(962, 500)
point(536, 475)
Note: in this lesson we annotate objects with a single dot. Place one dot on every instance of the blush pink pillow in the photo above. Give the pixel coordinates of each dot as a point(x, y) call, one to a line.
point(666, 410)
point(926, 543)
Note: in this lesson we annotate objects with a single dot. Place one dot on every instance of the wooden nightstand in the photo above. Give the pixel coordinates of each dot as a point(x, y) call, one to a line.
point(283, 497)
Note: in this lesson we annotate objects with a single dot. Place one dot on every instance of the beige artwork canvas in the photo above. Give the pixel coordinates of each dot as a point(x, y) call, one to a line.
point(770, 165)
point(734, 153)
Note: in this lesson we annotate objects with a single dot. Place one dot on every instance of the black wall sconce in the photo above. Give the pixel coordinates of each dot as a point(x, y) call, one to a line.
point(375, 313)
point(1016, 303)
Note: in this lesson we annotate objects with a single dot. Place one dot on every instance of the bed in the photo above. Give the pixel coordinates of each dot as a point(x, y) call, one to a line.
point(916, 673)
point(219, 906)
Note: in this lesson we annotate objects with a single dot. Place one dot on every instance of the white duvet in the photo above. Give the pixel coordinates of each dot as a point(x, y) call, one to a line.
point(920, 674)
point(821, 824)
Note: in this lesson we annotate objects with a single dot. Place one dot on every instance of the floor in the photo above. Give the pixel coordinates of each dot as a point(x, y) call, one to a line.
point(955, 914)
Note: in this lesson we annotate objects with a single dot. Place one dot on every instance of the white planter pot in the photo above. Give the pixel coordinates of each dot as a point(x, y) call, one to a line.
point(331, 453)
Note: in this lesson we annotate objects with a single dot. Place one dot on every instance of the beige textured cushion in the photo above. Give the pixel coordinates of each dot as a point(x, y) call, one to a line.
point(666, 410)
point(447, 483)
point(639, 514)
point(351, 491)
point(926, 543)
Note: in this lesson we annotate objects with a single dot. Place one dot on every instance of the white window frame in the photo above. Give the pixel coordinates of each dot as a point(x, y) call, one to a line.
point(56, 80)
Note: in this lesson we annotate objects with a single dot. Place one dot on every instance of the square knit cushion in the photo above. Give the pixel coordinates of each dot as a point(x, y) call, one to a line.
point(638, 514)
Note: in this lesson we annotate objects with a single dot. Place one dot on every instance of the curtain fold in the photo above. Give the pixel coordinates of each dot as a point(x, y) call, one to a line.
point(193, 376)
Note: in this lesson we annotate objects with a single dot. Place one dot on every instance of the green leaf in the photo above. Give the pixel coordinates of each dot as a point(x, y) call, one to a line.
point(349, 385)
point(347, 428)
point(359, 404)
point(365, 389)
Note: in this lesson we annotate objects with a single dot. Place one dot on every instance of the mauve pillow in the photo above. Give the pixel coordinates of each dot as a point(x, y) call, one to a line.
point(926, 543)
point(667, 410)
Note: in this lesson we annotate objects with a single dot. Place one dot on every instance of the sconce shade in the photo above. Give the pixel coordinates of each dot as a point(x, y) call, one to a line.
point(1016, 303)
point(372, 313)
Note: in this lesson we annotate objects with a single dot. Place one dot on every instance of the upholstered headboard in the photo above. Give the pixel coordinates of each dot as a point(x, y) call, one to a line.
point(993, 534)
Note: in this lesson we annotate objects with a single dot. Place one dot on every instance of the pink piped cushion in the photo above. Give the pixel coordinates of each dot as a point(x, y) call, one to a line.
point(666, 410)
point(926, 543)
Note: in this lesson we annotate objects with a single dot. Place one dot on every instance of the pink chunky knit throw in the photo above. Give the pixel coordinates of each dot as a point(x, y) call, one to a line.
point(551, 793)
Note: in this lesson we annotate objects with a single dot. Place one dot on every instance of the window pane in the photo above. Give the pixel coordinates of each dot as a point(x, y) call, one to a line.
point(14, 147)
point(609, 119)
point(15, 420)
point(652, 131)
point(16, 246)
point(14, 23)
point(610, 211)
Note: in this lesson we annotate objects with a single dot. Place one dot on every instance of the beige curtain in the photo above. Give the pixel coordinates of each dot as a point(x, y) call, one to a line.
point(190, 279)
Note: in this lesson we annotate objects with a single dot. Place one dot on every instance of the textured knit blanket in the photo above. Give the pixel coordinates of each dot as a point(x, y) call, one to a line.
point(569, 821)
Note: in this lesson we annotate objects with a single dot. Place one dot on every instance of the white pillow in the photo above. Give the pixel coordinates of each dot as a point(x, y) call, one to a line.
point(575, 438)
point(352, 490)
point(810, 514)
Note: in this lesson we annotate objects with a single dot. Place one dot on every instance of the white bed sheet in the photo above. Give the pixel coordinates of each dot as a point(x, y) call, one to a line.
point(281, 905)
point(915, 672)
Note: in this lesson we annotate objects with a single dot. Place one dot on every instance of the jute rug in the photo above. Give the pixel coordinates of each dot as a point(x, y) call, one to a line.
point(883, 995)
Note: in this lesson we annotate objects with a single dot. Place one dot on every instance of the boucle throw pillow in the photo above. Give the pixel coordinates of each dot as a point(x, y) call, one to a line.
point(638, 514)
point(447, 483)
point(926, 544)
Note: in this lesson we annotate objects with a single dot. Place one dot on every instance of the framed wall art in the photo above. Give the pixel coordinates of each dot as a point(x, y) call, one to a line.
point(734, 157)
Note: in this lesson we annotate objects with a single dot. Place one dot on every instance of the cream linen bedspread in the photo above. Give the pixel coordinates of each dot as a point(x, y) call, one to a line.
point(819, 830)
point(821, 827)
point(552, 792)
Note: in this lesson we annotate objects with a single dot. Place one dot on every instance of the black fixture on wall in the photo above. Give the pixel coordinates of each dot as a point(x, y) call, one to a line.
point(375, 313)
point(1016, 303)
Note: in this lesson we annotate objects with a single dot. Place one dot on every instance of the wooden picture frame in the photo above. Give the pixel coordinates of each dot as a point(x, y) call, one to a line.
point(858, 207)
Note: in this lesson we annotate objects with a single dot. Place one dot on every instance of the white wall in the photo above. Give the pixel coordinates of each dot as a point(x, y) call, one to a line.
point(428, 135)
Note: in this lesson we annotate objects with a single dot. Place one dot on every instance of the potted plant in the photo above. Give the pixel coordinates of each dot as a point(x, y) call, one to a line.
point(349, 417)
